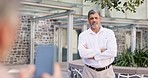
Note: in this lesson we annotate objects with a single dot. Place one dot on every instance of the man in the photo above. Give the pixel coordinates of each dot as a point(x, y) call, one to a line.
point(97, 47)
point(9, 22)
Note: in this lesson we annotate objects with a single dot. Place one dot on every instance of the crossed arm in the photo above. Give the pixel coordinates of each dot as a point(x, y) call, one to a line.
point(99, 53)
point(101, 49)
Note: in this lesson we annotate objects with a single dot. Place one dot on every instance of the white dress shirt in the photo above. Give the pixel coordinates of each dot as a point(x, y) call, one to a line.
point(105, 38)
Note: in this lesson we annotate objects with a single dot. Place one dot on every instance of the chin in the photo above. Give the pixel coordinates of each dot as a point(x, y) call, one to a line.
point(95, 26)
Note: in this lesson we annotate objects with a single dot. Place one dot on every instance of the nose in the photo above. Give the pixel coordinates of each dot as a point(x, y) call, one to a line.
point(94, 19)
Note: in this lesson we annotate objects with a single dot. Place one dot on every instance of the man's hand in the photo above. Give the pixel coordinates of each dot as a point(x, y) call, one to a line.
point(102, 49)
point(91, 58)
point(85, 46)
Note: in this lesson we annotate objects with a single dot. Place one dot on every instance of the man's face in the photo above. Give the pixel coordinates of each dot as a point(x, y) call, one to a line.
point(94, 20)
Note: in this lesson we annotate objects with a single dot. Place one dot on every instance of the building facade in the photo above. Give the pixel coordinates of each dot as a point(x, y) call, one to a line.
point(46, 32)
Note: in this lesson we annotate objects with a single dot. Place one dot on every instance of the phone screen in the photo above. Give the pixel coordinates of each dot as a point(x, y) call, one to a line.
point(45, 57)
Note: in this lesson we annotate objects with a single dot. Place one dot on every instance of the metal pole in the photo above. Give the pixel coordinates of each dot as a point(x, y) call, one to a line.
point(133, 38)
point(69, 40)
point(32, 42)
point(84, 27)
point(45, 5)
point(60, 44)
point(54, 42)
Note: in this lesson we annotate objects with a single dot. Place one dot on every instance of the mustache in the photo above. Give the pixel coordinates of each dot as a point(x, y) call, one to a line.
point(94, 24)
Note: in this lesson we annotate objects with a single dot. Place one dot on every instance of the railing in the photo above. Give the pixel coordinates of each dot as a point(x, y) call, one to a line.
point(75, 71)
point(130, 72)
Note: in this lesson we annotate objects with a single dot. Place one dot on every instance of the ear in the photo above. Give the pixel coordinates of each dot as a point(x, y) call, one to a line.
point(100, 18)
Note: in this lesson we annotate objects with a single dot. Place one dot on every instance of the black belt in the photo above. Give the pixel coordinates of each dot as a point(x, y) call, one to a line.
point(99, 69)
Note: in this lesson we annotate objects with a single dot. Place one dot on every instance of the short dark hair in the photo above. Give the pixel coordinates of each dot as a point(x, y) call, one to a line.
point(93, 12)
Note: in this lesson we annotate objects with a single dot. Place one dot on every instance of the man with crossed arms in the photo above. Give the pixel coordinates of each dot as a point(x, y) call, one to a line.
point(97, 48)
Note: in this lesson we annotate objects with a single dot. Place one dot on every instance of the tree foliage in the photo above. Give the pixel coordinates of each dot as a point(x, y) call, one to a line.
point(119, 5)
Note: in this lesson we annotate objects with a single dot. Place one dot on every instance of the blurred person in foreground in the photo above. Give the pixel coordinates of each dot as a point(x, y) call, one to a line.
point(97, 47)
point(9, 23)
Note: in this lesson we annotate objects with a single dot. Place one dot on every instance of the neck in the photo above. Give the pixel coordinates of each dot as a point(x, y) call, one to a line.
point(96, 30)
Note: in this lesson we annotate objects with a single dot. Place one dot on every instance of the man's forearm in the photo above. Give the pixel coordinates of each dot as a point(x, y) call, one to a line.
point(102, 50)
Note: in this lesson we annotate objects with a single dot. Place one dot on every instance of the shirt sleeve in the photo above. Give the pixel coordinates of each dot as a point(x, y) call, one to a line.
point(83, 51)
point(111, 48)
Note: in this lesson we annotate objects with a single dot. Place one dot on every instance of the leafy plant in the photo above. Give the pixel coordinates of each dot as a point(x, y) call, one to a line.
point(137, 59)
point(141, 57)
point(119, 5)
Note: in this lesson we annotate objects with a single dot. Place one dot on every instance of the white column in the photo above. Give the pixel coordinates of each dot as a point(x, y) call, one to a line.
point(133, 38)
point(32, 42)
point(54, 42)
point(60, 44)
point(69, 40)
point(84, 27)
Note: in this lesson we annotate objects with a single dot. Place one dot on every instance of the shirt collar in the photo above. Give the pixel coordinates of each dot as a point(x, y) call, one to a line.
point(91, 32)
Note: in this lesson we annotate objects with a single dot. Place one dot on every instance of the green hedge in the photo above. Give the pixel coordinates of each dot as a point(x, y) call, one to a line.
point(138, 58)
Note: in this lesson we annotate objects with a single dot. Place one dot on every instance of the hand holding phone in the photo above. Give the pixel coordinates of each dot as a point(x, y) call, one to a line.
point(45, 57)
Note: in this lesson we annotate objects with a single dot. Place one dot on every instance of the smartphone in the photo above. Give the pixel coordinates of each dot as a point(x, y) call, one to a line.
point(44, 60)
